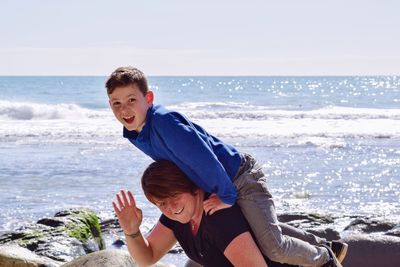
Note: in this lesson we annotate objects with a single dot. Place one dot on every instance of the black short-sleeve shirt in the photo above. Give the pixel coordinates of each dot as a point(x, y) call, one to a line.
point(214, 235)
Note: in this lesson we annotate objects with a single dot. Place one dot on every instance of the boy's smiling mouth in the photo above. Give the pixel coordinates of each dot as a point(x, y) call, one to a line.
point(129, 119)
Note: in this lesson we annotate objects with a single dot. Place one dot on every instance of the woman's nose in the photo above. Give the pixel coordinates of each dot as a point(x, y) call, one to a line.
point(173, 206)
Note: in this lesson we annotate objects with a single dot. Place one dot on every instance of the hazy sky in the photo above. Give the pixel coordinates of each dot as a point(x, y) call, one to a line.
point(188, 37)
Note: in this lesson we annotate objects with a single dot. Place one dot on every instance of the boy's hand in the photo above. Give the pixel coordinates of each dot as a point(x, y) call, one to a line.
point(214, 203)
point(129, 216)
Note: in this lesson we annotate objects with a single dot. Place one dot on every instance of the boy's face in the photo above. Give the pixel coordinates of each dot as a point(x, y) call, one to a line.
point(130, 106)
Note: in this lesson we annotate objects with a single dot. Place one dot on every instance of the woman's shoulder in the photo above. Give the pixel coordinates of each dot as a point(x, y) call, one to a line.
point(227, 214)
point(227, 221)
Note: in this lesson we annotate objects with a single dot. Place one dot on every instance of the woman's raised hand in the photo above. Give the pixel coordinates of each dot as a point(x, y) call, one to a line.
point(129, 216)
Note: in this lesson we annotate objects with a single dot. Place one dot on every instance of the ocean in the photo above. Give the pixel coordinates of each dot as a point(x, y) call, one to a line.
point(327, 144)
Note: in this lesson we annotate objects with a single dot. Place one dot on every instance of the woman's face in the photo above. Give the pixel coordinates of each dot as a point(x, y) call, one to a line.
point(179, 208)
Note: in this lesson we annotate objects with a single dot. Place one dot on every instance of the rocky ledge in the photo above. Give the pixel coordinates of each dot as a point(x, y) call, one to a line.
point(52, 241)
point(73, 238)
point(372, 242)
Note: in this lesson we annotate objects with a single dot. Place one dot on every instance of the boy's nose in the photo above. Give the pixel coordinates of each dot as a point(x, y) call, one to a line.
point(124, 109)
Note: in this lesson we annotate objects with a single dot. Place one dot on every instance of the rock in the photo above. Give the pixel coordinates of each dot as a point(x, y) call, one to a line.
point(367, 251)
point(176, 249)
point(327, 233)
point(311, 219)
point(110, 224)
point(16, 256)
point(118, 243)
point(190, 263)
point(394, 232)
point(316, 224)
point(366, 225)
point(69, 234)
point(107, 258)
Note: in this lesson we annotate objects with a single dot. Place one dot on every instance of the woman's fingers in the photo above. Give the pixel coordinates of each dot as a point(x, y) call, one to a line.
point(116, 209)
point(126, 202)
point(131, 199)
point(120, 203)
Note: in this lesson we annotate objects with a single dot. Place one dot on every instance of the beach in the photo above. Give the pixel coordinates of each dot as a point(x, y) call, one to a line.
point(328, 145)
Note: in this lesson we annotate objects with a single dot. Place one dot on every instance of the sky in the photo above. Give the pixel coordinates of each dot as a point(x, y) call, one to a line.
point(219, 37)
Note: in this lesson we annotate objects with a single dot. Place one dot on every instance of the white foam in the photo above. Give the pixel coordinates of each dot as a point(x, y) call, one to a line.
point(327, 127)
point(211, 110)
point(34, 111)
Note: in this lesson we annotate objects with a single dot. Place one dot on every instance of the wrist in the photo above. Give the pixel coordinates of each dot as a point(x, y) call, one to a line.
point(133, 235)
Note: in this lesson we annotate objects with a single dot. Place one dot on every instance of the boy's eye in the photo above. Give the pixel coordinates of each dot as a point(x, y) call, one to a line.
point(116, 104)
point(132, 100)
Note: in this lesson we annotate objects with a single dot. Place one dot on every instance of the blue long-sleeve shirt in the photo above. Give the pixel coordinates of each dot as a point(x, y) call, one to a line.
point(207, 161)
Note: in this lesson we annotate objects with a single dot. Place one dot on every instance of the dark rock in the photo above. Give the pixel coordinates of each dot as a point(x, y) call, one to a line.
point(109, 225)
point(190, 263)
point(367, 225)
point(327, 233)
point(372, 251)
point(52, 222)
point(316, 224)
point(68, 235)
point(105, 258)
point(118, 243)
point(394, 232)
point(16, 256)
point(305, 220)
point(176, 249)
point(61, 248)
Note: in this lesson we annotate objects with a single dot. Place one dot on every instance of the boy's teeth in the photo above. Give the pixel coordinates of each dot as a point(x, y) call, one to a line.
point(129, 119)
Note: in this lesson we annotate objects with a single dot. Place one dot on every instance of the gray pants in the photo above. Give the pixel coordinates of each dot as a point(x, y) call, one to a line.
point(293, 246)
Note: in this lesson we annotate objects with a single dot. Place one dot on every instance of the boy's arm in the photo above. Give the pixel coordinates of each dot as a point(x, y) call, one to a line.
point(213, 204)
point(187, 148)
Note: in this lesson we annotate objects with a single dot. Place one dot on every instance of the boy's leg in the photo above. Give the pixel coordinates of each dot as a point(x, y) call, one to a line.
point(258, 207)
point(302, 235)
point(339, 248)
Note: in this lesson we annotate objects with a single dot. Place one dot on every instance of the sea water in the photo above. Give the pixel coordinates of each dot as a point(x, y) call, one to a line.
point(327, 144)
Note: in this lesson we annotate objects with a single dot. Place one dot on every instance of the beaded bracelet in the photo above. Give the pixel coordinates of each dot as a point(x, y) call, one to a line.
point(134, 235)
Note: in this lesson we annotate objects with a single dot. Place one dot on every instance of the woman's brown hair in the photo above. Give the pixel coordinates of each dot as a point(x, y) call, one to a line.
point(163, 179)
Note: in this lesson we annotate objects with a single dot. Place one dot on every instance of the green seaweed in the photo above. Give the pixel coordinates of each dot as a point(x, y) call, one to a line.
point(85, 225)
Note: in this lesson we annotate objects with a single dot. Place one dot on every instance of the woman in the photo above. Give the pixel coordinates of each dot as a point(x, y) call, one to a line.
point(220, 239)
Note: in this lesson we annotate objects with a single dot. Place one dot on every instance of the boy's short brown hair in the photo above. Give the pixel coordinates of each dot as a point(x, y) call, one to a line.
point(163, 179)
point(125, 76)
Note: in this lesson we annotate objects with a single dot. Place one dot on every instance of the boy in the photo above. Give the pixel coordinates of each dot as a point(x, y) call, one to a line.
point(214, 166)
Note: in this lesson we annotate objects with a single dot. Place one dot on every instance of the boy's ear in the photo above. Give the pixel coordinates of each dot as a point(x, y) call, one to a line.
point(150, 97)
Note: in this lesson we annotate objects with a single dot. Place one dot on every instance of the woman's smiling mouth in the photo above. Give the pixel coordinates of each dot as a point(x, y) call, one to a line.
point(179, 211)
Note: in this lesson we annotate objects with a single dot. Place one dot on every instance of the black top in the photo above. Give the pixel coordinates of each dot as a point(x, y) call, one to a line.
point(214, 235)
